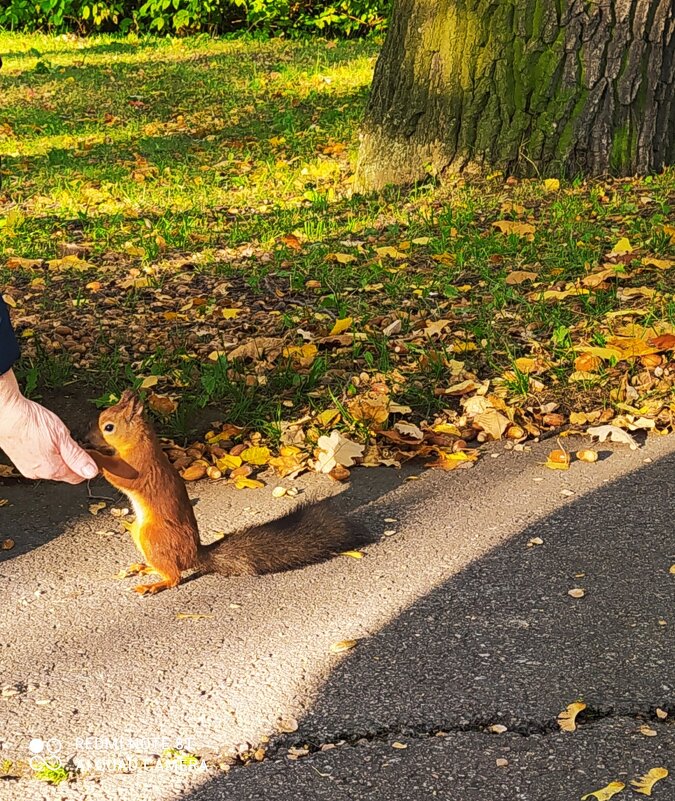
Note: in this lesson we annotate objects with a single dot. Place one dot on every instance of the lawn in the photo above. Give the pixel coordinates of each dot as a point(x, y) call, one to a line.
point(177, 215)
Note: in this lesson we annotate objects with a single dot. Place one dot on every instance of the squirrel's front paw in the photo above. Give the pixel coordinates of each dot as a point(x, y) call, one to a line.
point(137, 569)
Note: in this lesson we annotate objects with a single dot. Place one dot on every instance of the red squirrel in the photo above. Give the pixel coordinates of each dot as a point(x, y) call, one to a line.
point(165, 530)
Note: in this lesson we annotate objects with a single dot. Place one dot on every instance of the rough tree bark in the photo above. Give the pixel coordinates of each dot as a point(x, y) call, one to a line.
point(526, 86)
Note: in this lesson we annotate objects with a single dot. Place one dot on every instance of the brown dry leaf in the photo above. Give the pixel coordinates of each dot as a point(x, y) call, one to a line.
point(518, 228)
point(645, 784)
point(256, 455)
point(95, 508)
point(242, 482)
point(162, 404)
point(7, 544)
point(587, 363)
point(647, 731)
point(194, 472)
point(343, 645)
point(291, 241)
point(559, 294)
point(435, 327)
point(520, 276)
point(371, 408)
point(18, 262)
point(256, 348)
point(576, 592)
point(568, 717)
point(341, 325)
point(663, 342)
point(492, 422)
point(605, 793)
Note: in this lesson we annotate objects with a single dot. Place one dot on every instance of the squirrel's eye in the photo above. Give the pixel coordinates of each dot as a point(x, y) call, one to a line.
point(109, 428)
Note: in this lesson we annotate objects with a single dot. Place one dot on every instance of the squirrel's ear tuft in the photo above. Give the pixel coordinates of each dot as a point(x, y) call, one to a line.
point(131, 403)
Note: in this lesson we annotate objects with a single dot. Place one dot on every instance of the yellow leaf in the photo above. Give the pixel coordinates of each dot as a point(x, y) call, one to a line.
point(518, 228)
point(392, 253)
point(622, 247)
point(421, 240)
point(9, 300)
point(256, 455)
point(560, 294)
point(15, 262)
point(304, 355)
point(605, 793)
point(241, 482)
point(447, 428)
point(228, 314)
point(149, 381)
point(228, 462)
point(601, 353)
point(341, 325)
point(551, 184)
point(341, 258)
point(353, 554)
point(526, 365)
point(645, 784)
point(662, 264)
point(328, 418)
point(568, 717)
point(343, 645)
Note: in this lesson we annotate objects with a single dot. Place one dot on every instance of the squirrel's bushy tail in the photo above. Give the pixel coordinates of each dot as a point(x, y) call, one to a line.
point(307, 535)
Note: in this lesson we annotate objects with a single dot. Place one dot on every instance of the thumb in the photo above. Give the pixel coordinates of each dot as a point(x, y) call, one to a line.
point(77, 459)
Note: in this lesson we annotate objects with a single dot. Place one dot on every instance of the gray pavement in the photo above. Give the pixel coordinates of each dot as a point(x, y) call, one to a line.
point(460, 625)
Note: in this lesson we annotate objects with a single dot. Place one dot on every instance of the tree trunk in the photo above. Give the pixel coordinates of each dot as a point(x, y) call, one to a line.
point(550, 87)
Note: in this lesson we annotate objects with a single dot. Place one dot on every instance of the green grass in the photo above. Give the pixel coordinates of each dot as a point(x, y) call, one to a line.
point(196, 175)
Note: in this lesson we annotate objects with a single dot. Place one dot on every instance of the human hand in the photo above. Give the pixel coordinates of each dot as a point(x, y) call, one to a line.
point(37, 441)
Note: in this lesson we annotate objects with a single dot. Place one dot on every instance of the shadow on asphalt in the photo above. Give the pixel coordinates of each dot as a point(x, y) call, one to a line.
point(502, 638)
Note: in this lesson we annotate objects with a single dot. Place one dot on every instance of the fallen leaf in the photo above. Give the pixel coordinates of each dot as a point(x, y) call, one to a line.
point(551, 184)
point(242, 482)
point(645, 784)
point(228, 462)
point(341, 325)
point(336, 449)
point(230, 314)
point(353, 554)
point(149, 381)
point(7, 544)
point(343, 645)
point(162, 404)
point(518, 228)
point(95, 508)
point(605, 793)
point(287, 725)
point(520, 276)
point(576, 592)
point(492, 422)
point(647, 731)
point(409, 430)
point(587, 456)
point(256, 455)
point(622, 247)
point(568, 717)
point(614, 433)
point(661, 264)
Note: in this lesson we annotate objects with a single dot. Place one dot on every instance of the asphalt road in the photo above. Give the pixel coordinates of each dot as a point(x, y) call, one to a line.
point(460, 625)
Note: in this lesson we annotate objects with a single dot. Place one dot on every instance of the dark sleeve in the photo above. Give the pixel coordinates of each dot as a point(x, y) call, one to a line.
point(9, 348)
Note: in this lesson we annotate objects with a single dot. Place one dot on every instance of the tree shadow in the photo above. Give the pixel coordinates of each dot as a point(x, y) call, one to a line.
point(503, 642)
